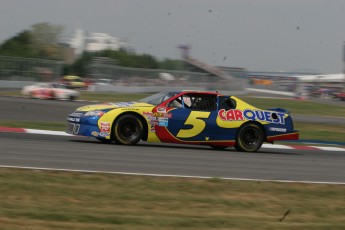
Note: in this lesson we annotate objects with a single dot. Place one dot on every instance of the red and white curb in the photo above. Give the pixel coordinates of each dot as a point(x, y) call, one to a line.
point(304, 147)
point(269, 146)
point(33, 131)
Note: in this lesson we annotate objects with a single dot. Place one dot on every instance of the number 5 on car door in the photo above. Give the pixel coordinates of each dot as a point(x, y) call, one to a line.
point(198, 125)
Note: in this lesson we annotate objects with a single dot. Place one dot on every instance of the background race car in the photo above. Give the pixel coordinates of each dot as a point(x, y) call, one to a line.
point(50, 91)
point(189, 117)
point(74, 82)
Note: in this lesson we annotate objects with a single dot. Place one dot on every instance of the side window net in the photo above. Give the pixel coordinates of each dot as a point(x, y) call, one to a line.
point(204, 103)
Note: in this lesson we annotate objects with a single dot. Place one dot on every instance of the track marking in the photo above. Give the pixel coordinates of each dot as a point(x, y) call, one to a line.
point(47, 132)
point(168, 175)
point(276, 146)
point(330, 148)
point(269, 146)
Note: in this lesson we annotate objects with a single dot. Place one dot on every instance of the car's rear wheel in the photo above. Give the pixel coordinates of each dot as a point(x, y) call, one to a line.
point(249, 138)
point(128, 130)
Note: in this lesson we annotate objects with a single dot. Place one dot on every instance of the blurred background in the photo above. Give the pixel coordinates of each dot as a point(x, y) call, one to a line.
point(271, 47)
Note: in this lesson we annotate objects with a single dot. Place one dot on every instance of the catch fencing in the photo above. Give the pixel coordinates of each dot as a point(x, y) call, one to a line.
point(137, 77)
point(29, 69)
point(14, 69)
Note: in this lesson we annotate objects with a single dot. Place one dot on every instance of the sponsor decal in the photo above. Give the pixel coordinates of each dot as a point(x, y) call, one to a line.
point(153, 118)
point(123, 104)
point(94, 133)
point(159, 118)
point(163, 122)
point(154, 122)
point(275, 129)
point(104, 134)
point(253, 115)
point(151, 114)
point(160, 121)
point(152, 128)
point(161, 110)
point(129, 109)
point(105, 127)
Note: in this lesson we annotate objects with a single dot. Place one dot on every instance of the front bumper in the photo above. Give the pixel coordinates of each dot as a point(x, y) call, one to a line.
point(83, 126)
point(82, 129)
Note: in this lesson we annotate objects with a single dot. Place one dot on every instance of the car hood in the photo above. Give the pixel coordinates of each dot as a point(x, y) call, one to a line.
point(109, 105)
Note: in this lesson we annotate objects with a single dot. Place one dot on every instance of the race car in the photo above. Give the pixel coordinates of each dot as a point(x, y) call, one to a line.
point(74, 82)
point(184, 117)
point(49, 90)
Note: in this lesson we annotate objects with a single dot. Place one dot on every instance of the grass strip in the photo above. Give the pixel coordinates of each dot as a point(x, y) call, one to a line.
point(323, 132)
point(112, 97)
point(297, 106)
point(65, 200)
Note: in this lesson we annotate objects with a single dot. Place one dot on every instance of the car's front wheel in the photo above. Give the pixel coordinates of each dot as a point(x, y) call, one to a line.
point(249, 138)
point(128, 130)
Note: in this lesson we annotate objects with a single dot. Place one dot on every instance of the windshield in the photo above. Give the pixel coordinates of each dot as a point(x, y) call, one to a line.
point(158, 98)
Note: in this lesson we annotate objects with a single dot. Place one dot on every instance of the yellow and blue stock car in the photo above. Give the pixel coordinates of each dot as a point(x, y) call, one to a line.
point(184, 117)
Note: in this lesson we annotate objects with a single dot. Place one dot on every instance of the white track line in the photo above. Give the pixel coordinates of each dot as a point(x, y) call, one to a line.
point(330, 148)
point(47, 132)
point(268, 146)
point(276, 146)
point(168, 175)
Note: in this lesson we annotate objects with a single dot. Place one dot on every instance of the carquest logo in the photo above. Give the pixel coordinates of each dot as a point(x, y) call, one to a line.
point(252, 115)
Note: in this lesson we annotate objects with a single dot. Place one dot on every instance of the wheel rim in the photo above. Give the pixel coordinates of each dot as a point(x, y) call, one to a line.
point(251, 137)
point(129, 130)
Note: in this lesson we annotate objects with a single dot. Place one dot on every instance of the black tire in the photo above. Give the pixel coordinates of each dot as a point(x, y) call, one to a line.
point(128, 130)
point(72, 98)
point(218, 147)
point(249, 138)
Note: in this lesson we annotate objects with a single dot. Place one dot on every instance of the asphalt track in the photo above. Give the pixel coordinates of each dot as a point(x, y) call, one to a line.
point(87, 154)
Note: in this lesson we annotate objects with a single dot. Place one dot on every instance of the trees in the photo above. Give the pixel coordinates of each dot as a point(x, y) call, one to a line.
point(41, 41)
point(46, 40)
point(18, 46)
